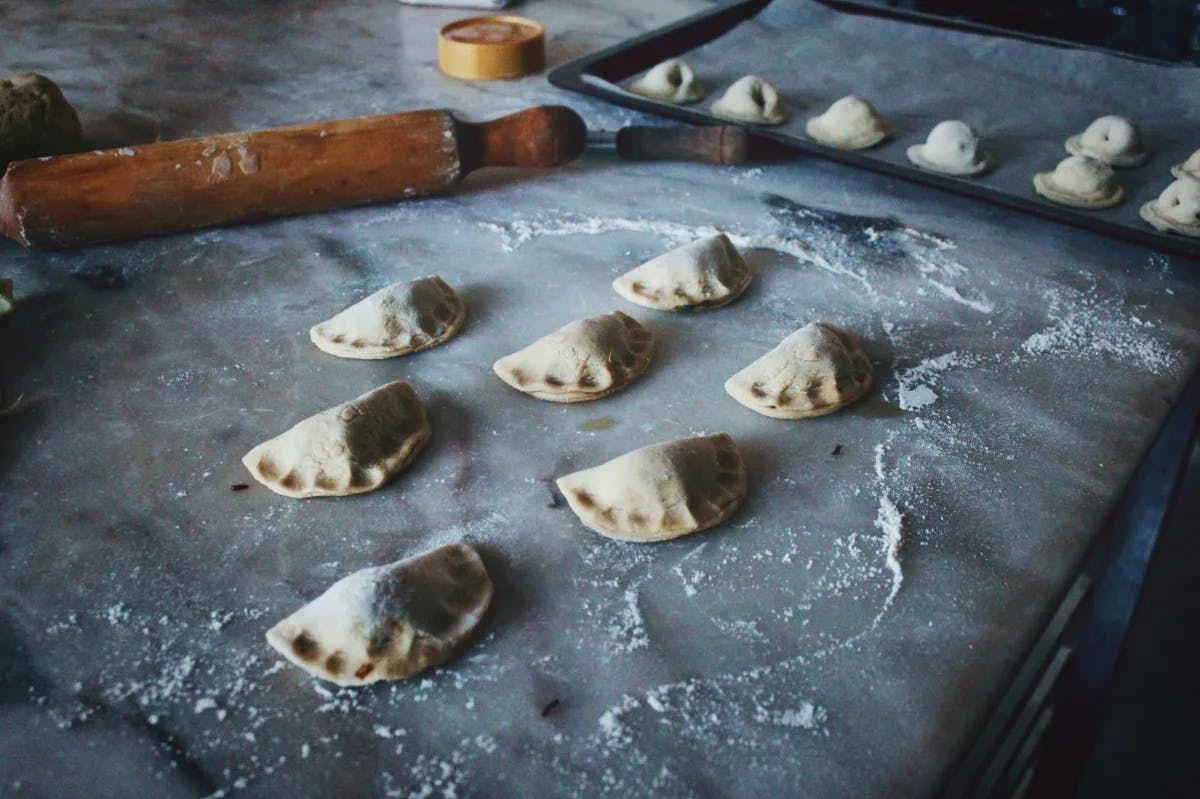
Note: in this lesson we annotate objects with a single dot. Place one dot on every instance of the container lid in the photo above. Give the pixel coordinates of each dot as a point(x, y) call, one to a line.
point(491, 48)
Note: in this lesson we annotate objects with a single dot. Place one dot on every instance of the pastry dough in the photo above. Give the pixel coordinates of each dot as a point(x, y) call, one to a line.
point(582, 361)
point(1080, 181)
point(1189, 168)
point(389, 622)
point(815, 371)
point(672, 81)
point(1177, 209)
point(751, 99)
point(350, 449)
point(703, 274)
point(952, 148)
point(397, 320)
point(661, 491)
point(851, 123)
point(1112, 139)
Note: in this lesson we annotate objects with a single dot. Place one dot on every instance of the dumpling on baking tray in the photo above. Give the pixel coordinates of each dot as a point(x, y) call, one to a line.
point(389, 622)
point(348, 449)
point(751, 99)
point(582, 361)
point(662, 491)
point(672, 81)
point(706, 273)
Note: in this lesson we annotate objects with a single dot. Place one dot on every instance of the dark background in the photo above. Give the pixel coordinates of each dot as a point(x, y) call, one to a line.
point(1164, 29)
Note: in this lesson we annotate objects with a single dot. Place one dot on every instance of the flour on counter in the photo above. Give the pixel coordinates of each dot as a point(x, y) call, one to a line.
point(1087, 323)
point(917, 383)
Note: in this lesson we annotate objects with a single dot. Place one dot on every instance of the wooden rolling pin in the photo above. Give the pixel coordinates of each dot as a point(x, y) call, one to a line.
point(150, 189)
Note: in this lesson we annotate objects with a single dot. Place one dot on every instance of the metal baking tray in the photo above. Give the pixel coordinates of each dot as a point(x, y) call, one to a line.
point(1009, 184)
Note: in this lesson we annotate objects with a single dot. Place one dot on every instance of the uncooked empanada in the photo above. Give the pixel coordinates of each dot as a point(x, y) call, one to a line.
point(661, 491)
point(582, 361)
point(814, 371)
point(350, 449)
point(402, 318)
point(851, 123)
point(1080, 181)
point(1112, 139)
point(704, 274)
point(672, 81)
point(751, 99)
point(389, 622)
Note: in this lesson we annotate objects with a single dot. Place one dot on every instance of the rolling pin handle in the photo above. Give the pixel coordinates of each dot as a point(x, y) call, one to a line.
point(716, 144)
point(545, 136)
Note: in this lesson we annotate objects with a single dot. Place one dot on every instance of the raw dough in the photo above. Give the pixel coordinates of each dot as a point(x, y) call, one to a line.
point(672, 81)
point(1080, 181)
point(35, 118)
point(1189, 168)
point(851, 123)
point(349, 449)
point(6, 295)
point(397, 320)
point(582, 361)
point(751, 99)
point(1112, 139)
point(952, 148)
point(389, 622)
point(704, 274)
point(815, 371)
point(661, 491)
point(1177, 209)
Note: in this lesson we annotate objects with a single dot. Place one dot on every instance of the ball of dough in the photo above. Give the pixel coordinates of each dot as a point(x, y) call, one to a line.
point(1189, 168)
point(1177, 209)
point(851, 123)
point(35, 118)
point(1081, 182)
point(952, 147)
point(1112, 139)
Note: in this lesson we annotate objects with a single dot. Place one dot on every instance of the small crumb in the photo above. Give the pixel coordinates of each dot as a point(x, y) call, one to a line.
point(837, 450)
point(550, 707)
point(239, 486)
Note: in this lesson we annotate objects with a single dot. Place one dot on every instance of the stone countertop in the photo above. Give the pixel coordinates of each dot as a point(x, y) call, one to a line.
point(796, 650)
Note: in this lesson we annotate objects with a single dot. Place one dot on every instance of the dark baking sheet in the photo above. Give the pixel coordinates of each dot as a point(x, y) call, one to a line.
point(1024, 94)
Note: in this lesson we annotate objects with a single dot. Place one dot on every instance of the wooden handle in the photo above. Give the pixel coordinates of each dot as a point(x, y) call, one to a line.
point(128, 192)
point(718, 144)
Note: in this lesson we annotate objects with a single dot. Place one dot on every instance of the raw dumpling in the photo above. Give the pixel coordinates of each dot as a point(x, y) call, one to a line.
point(1081, 182)
point(661, 491)
point(6, 295)
point(1112, 139)
point(402, 318)
point(389, 622)
point(672, 81)
point(815, 371)
point(582, 361)
point(35, 118)
point(951, 148)
point(1189, 168)
point(751, 99)
point(350, 449)
point(1177, 209)
point(704, 274)
point(851, 123)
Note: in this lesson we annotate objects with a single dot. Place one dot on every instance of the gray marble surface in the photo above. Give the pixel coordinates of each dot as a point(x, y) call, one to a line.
point(1022, 369)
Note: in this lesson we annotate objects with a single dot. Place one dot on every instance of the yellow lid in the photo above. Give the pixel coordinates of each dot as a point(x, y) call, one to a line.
point(491, 48)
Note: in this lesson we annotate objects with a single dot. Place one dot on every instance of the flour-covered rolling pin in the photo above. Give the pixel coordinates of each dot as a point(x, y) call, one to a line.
point(150, 189)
